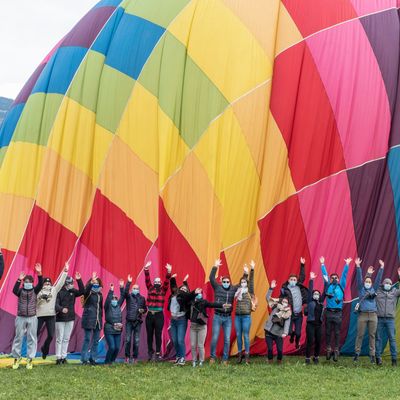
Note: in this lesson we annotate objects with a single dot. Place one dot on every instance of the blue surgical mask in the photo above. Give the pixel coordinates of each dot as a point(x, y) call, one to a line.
point(135, 291)
point(199, 296)
point(114, 303)
point(96, 287)
point(292, 283)
point(28, 285)
point(226, 285)
point(367, 286)
point(387, 286)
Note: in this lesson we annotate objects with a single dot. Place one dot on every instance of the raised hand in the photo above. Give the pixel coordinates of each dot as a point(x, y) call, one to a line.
point(313, 275)
point(358, 261)
point(174, 275)
point(348, 260)
point(77, 275)
point(226, 306)
point(111, 286)
point(186, 278)
point(38, 268)
point(121, 283)
point(66, 266)
point(169, 268)
point(370, 270)
point(94, 277)
point(198, 290)
point(273, 284)
point(302, 260)
point(130, 278)
point(322, 260)
point(381, 263)
point(246, 269)
point(217, 263)
point(64, 310)
point(22, 276)
point(147, 266)
point(252, 264)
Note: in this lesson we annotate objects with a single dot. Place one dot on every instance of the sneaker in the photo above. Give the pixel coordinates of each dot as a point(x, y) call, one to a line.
point(92, 362)
point(127, 360)
point(378, 361)
point(328, 354)
point(239, 357)
point(279, 362)
point(176, 360)
point(85, 362)
point(194, 364)
point(150, 357)
point(200, 364)
point(316, 360)
point(336, 355)
point(64, 361)
point(158, 357)
point(16, 363)
point(134, 361)
point(308, 361)
point(372, 359)
point(247, 358)
point(355, 358)
point(270, 361)
point(291, 340)
point(212, 361)
point(44, 355)
point(394, 362)
point(29, 364)
point(59, 361)
point(181, 362)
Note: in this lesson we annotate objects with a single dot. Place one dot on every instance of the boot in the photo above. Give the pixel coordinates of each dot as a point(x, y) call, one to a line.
point(378, 361)
point(372, 359)
point(316, 360)
point(291, 340)
point(270, 361)
point(279, 362)
point(239, 357)
point(308, 361)
point(355, 358)
point(394, 362)
point(247, 358)
point(336, 355)
point(328, 353)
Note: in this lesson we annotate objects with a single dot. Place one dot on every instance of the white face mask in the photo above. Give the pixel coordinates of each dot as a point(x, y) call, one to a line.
point(315, 296)
point(285, 305)
point(243, 284)
point(387, 286)
point(367, 285)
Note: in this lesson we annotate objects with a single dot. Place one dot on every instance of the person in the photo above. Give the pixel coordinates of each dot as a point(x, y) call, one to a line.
point(155, 315)
point(387, 296)
point(65, 318)
point(244, 305)
point(178, 305)
point(46, 308)
point(334, 293)
point(223, 294)
point(367, 310)
point(1, 264)
point(315, 314)
point(26, 320)
point(135, 309)
point(297, 294)
point(277, 325)
point(198, 325)
point(92, 319)
point(113, 322)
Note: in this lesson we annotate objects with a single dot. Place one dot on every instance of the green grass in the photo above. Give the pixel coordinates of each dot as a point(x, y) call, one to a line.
point(292, 380)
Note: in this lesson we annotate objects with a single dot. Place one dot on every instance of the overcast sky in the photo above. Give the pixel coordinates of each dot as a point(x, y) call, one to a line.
point(28, 31)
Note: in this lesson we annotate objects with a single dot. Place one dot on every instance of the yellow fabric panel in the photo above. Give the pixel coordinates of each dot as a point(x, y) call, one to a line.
point(192, 204)
point(182, 24)
point(251, 112)
point(260, 18)
point(65, 192)
point(225, 155)
point(78, 139)
point(20, 172)
point(133, 186)
point(138, 126)
point(14, 216)
point(276, 179)
point(287, 34)
point(223, 48)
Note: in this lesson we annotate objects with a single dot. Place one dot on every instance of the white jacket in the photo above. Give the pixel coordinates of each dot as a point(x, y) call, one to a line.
point(47, 307)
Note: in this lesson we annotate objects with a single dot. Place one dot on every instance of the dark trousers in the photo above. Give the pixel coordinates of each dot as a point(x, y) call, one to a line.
point(154, 327)
point(333, 327)
point(113, 343)
point(50, 323)
point(270, 339)
point(296, 321)
point(314, 333)
point(132, 338)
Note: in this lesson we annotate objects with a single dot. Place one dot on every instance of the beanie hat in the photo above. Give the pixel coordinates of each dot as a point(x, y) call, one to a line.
point(47, 280)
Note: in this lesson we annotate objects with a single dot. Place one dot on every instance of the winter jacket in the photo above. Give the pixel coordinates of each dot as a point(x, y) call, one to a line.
point(66, 299)
point(183, 298)
point(113, 314)
point(156, 297)
point(314, 307)
point(367, 297)
point(92, 317)
point(134, 303)
point(334, 293)
point(46, 298)
point(198, 313)
point(243, 306)
point(285, 291)
point(281, 327)
point(1, 264)
point(221, 295)
point(27, 298)
point(386, 302)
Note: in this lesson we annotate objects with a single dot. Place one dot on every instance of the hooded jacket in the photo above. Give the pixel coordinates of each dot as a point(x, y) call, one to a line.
point(46, 298)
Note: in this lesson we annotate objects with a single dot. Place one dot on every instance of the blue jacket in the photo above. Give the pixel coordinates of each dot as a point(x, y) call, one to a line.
point(367, 298)
point(335, 292)
point(313, 305)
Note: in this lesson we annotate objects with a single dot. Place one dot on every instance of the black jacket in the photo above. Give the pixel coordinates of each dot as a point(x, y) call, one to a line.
point(183, 298)
point(92, 316)
point(198, 312)
point(134, 303)
point(315, 309)
point(113, 314)
point(66, 299)
point(285, 291)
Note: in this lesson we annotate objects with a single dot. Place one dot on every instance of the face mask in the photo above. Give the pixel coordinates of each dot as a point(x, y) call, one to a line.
point(96, 288)
point(226, 285)
point(135, 291)
point(315, 296)
point(243, 284)
point(114, 303)
point(387, 286)
point(335, 281)
point(157, 285)
point(199, 296)
point(367, 285)
point(292, 283)
point(28, 285)
point(285, 305)
point(70, 286)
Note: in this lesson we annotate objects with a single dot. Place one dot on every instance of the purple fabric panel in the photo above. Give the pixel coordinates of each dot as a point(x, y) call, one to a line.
point(87, 29)
point(27, 89)
point(374, 217)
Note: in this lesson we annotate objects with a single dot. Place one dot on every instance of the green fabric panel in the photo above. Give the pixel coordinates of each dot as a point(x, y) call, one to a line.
point(38, 118)
point(114, 93)
point(159, 12)
point(184, 92)
point(85, 86)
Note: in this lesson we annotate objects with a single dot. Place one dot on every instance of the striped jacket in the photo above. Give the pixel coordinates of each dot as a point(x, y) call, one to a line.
point(156, 297)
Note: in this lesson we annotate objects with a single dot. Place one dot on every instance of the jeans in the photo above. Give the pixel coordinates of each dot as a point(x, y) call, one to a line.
point(113, 343)
point(93, 334)
point(50, 323)
point(178, 333)
point(132, 330)
point(270, 339)
point(242, 326)
point(198, 335)
point(314, 333)
point(25, 326)
point(154, 327)
point(63, 334)
point(386, 330)
point(226, 322)
point(295, 326)
point(370, 320)
point(333, 326)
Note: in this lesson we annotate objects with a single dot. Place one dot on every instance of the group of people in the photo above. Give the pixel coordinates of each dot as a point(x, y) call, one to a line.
point(52, 307)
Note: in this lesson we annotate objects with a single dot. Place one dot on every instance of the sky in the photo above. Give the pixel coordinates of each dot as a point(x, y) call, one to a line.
point(29, 29)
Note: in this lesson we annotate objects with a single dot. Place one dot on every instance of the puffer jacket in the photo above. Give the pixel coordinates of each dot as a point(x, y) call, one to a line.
point(221, 295)
point(27, 298)
point(134, 303)
point(92, 317)
point(243, 306)
point(367, 297)
point(386, 302)
point(273, 327)
point(113, 314)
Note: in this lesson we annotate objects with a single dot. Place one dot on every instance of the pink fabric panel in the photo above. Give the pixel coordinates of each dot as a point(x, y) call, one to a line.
point(363, 7)
point(356, 90)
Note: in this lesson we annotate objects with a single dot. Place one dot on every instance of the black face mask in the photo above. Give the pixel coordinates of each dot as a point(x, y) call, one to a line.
point(335, 281)
point(157, 285)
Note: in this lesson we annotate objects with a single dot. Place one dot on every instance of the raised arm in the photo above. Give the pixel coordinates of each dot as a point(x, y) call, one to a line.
point(378, 279)
point(17, 285)
point(213, 273)
point(251, 281)
point(270, 290)
point(109, 297)
point(358, 276)
point(81, 286)
point(302, 275)
point(61, 280)
point(167, 278)
point(38, 287)
point(345, 272)
point(310, 289)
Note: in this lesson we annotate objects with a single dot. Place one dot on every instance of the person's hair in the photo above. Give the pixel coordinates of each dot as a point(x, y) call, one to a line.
point(99, 281)
point(316, 291)
point(284, 298)
point(368, 278)
point(28, 278)
point(293, 276)
point(243, 279)
point(333, 274)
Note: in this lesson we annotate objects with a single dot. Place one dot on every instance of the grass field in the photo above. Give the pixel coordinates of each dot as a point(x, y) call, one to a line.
point(292, 380)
